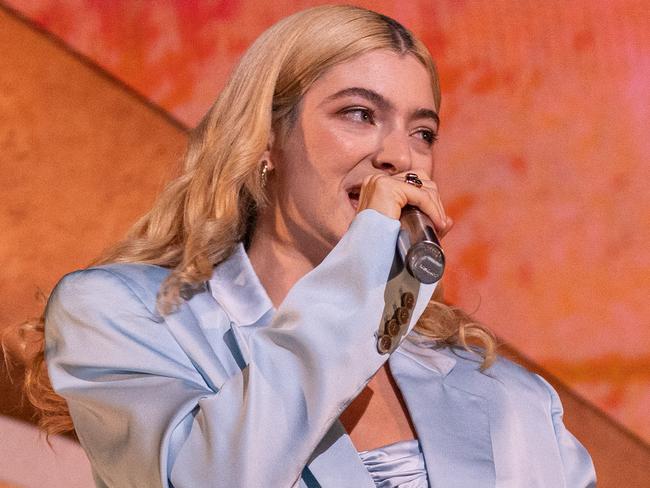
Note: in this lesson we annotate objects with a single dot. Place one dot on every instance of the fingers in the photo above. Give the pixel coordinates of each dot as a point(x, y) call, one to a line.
point(427, 199)
point(430, 203)
point(389, 194)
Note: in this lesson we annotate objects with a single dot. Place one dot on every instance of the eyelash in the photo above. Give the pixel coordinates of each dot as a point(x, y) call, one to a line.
point(430, 137)
point(365, 111)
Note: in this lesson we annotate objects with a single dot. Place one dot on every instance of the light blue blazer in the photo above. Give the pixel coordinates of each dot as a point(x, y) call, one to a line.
point(229, 392)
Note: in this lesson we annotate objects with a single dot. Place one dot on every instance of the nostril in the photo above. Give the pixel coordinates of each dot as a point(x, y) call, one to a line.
point(386, 167)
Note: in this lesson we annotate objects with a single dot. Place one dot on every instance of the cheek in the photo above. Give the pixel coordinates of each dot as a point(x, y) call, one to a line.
point(423, 164)
point(339, 142)
point(332, 150)
point(424, 168)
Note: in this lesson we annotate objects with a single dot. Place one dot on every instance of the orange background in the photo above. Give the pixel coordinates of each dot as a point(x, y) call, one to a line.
point(543, 157)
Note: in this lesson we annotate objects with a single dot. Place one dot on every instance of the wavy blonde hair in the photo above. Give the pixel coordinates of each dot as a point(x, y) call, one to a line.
point(201, 215)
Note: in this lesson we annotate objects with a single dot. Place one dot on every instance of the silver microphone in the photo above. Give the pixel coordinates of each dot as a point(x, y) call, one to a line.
point(419, 246)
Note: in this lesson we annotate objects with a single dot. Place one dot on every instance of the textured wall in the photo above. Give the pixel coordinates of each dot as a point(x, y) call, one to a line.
point(543, 159)
point(81, 157)
point(79, 162)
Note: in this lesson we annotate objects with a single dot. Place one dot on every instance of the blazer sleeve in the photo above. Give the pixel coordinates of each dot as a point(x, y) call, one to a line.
point(578, 467)
point(147, 417)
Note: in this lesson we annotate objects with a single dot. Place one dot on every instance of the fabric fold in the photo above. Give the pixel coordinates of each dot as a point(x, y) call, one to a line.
point(398, 465)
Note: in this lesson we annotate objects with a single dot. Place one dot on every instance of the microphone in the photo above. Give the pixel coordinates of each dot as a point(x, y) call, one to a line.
point(419, 246)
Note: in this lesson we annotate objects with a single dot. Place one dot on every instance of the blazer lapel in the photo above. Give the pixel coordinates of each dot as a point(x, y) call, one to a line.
point(336, 463)
point(450, 415)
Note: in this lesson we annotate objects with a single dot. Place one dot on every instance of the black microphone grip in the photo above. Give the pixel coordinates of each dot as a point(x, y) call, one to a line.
point(419, 246)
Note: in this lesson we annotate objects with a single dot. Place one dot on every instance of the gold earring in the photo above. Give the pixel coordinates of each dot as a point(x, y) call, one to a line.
point(264, 172)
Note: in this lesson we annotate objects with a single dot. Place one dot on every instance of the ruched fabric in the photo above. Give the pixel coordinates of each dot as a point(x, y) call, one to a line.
point(398, 465)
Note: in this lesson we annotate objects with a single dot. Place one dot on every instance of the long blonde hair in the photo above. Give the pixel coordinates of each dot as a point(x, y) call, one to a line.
point(201, 215)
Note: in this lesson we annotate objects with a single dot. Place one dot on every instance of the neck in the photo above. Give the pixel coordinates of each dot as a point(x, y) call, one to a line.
point(277, 258)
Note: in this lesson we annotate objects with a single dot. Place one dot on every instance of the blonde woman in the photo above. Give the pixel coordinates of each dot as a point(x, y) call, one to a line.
point(239, 336)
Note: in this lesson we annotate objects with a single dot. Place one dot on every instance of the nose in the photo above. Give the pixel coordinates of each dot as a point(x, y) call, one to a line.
point(394, 153)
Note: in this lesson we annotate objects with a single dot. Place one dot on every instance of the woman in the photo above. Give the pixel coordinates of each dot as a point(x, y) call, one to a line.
point(240, 335)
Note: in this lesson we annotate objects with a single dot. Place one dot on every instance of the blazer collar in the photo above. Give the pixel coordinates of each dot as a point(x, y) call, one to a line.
point(236, 287)
point(421, 350)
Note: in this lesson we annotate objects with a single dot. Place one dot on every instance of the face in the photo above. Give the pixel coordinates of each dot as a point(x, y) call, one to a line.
point(373, 113)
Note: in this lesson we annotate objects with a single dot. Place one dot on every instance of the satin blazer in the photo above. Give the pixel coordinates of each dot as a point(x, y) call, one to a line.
point(227, 391)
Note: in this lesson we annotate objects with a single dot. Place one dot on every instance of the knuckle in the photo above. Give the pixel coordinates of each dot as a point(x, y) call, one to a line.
point(368, 179)
point(380, 179)
point(432, 197)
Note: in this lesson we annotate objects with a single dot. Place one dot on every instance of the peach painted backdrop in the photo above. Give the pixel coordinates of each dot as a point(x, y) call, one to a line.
point(543, 158)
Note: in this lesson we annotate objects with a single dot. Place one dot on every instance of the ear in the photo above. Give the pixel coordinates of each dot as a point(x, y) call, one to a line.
point(266, 155)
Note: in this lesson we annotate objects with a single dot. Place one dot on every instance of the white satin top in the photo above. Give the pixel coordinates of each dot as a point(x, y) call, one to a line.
point(398, 465)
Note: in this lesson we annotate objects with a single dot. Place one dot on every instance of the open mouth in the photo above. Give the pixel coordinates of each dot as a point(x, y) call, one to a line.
point(353, 195)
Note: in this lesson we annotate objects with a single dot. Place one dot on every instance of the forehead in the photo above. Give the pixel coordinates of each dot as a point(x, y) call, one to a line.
point(402, 78)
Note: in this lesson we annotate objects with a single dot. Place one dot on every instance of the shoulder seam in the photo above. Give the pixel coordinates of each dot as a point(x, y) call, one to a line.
point(126, 283)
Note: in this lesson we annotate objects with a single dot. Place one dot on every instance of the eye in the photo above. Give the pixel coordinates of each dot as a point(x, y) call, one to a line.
point(428, 136)
point(359, 114)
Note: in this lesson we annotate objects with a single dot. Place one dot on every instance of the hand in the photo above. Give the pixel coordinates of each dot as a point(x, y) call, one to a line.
point(389, 194)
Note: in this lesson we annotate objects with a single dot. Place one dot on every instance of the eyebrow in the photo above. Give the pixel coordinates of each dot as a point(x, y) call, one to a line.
point(382, 102)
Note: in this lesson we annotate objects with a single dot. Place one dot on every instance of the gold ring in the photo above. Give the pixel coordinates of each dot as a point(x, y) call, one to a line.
point(413, 179)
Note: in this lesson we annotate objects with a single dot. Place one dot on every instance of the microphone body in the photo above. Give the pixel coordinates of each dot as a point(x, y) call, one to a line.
point(419, 246)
